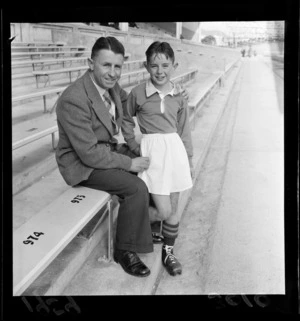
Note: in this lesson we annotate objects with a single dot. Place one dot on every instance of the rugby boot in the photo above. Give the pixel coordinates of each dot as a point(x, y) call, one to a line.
point(169, 261)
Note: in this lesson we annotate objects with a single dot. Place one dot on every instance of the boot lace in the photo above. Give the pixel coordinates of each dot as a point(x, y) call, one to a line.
point(169, 254)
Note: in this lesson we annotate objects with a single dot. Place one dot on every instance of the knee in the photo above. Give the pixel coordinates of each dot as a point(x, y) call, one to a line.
point(165, 213)
point(141, 188)
point(138, 189)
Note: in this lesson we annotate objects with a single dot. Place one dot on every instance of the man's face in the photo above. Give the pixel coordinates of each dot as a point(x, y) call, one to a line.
point(106, 68)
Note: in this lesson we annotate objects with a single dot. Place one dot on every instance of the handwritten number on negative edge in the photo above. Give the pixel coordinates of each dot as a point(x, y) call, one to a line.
point(234, 300)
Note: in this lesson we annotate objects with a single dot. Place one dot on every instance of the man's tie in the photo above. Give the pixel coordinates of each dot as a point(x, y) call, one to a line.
point(107, 101)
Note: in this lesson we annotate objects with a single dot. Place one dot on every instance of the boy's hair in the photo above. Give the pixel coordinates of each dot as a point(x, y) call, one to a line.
point(109, 43)
point(158, 47)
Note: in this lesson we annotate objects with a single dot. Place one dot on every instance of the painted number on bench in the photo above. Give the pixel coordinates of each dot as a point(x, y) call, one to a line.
point(30, 237)
point(77, 199)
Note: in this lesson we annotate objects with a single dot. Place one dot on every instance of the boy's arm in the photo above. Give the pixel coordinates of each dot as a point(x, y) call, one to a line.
point(184, 130)
point(128, 123)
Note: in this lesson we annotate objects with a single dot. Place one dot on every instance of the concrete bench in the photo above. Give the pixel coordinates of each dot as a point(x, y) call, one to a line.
point(35, 43)
point(129, 64)
point(44, 62)
point(47, 73)
point(186, 76)
point(138, 76)
point(181, 78)
point(39, 240)
point(35, 63)
point(41, 93)
point(21, 75)
point(39, 54)
point(203, 94)
point(39, 133)
point(50, 47)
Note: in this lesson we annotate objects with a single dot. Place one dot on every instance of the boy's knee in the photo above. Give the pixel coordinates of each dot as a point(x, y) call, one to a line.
point(165, 213)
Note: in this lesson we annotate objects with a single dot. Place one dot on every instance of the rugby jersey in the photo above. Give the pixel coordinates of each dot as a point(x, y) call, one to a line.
point(156, 113)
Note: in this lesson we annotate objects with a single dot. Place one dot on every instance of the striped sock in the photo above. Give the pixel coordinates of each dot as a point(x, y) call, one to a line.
point(170, 232)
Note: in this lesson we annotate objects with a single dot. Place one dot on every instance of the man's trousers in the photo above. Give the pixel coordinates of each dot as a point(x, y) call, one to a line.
point(133, 231)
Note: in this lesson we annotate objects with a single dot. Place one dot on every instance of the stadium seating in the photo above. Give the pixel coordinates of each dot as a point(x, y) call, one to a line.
point(37, 242)
point(51, 229)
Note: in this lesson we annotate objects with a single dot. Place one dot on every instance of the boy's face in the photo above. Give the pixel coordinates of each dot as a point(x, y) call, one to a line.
point(106, 68)
point(160, 69)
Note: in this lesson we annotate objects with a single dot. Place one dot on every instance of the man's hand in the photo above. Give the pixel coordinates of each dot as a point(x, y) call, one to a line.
point(182, 91)
point(139, 164)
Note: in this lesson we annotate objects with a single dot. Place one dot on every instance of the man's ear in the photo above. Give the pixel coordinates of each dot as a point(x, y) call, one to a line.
point(91, 63)
point(175, 65)
point(145, 64)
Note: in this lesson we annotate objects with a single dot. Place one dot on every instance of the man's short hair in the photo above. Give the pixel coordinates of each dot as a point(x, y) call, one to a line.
point(158, 47)
point(109, 43)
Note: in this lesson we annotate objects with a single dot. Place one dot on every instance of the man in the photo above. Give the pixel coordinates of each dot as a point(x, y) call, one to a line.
point(89, 155)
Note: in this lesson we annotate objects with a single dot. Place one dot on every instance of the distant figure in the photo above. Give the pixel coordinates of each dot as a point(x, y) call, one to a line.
point(114, 25)
point(250, 51)
point(133, 25)
point(243, 51)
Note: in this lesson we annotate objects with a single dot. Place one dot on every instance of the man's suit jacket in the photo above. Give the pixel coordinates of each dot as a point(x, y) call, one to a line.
point(84, 125)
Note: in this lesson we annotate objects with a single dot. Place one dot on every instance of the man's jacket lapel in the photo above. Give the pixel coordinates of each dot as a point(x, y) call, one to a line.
point(97, 103)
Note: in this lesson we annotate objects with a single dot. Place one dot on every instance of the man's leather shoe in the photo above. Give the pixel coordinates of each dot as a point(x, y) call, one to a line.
point(131, 263)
